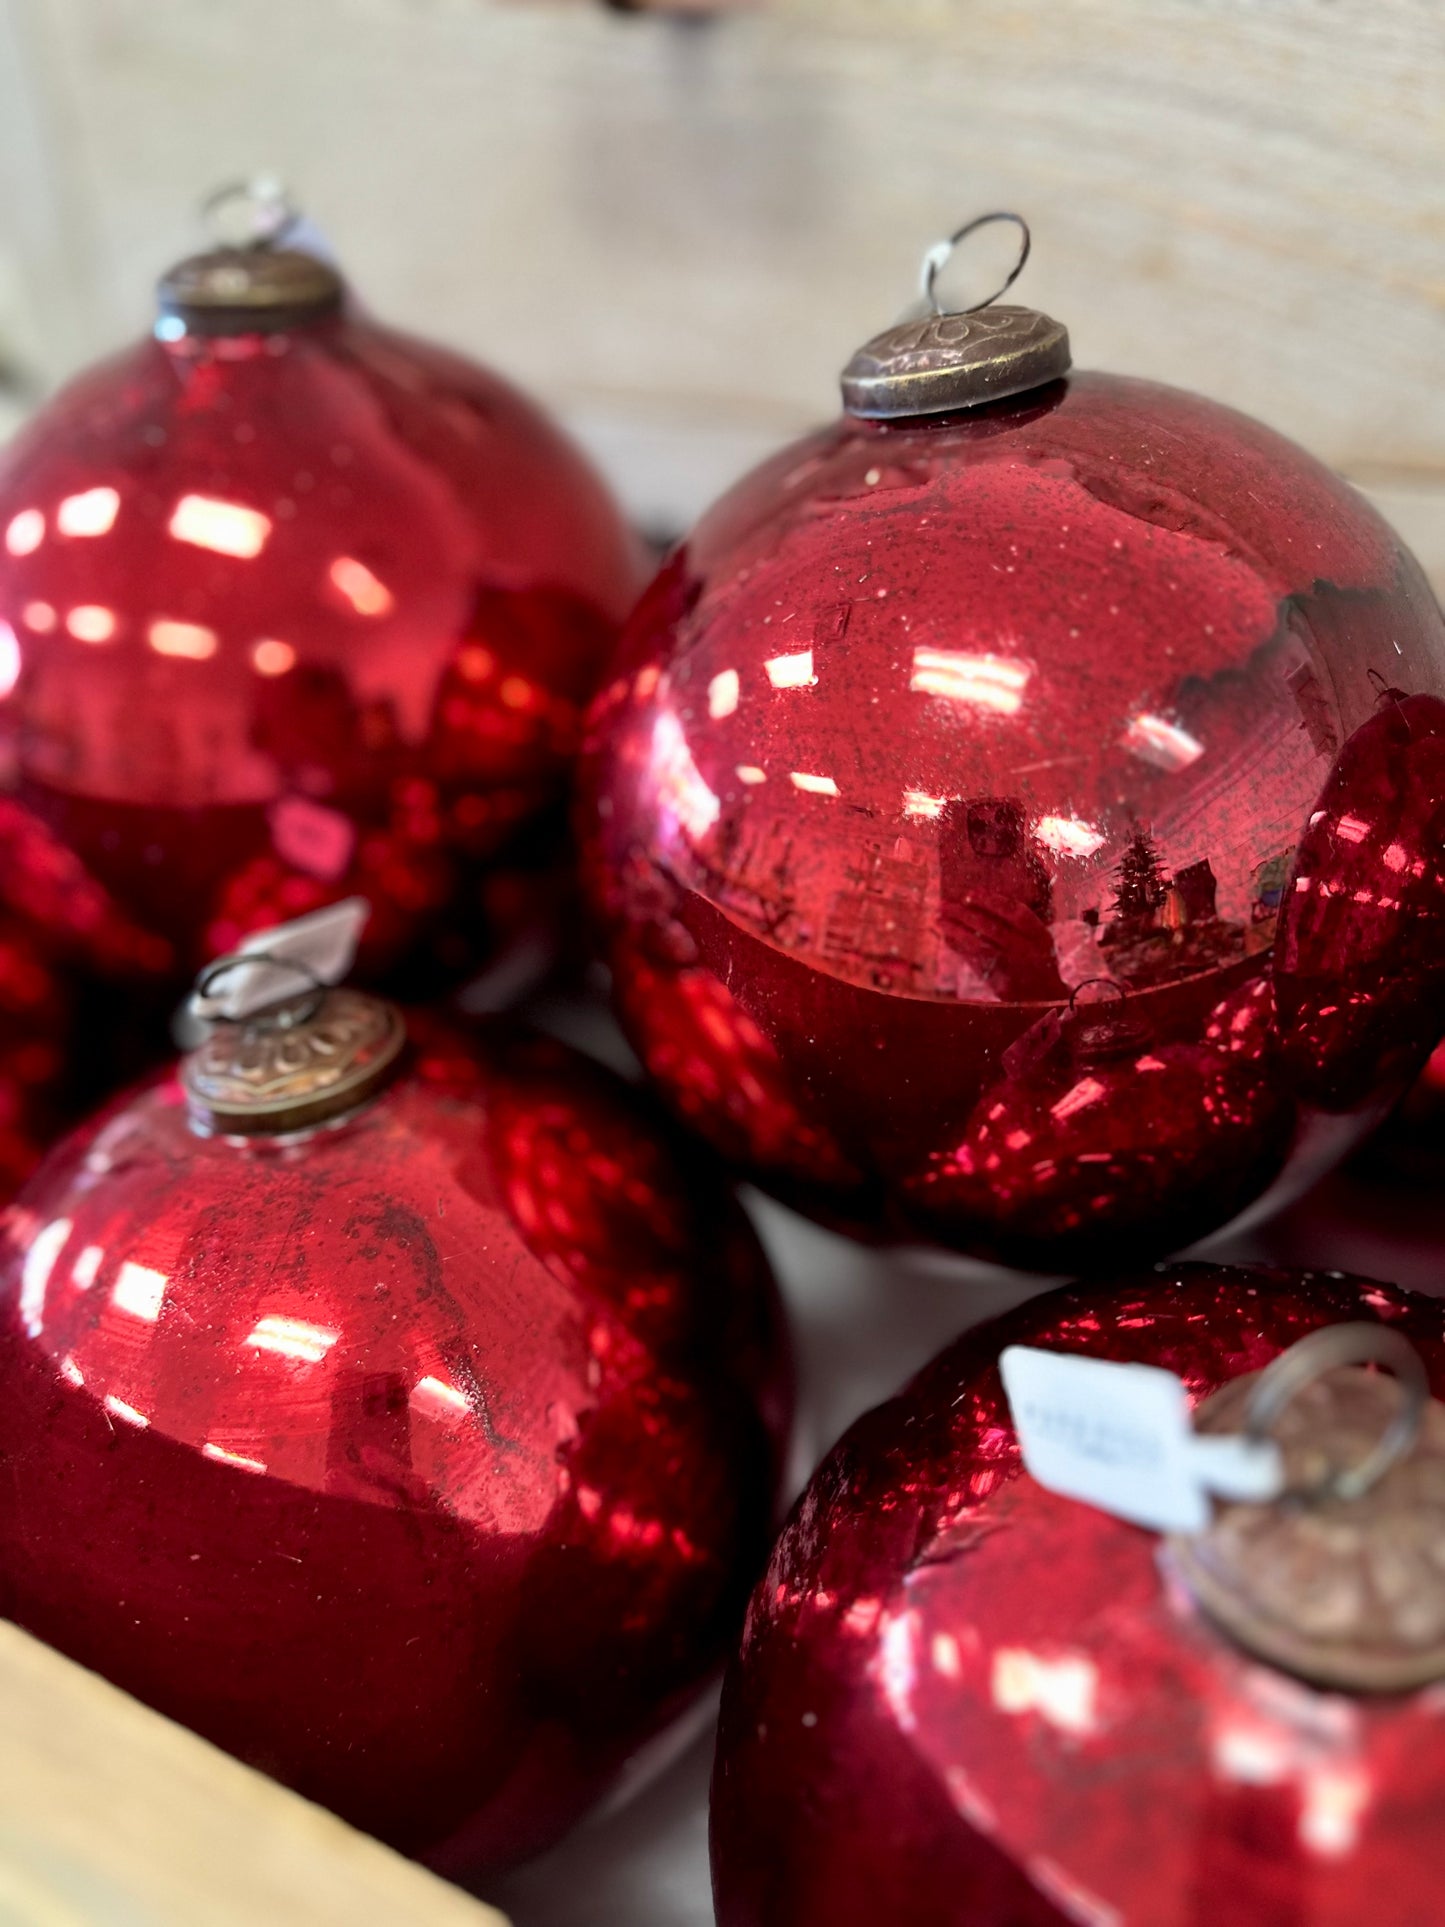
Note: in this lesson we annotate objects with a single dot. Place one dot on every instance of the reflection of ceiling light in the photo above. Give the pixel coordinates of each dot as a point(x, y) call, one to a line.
point(1068, 835)
point(291, 1338)
point(272, 658)
point(982, 681)
point(442, 1400)
point(38, 616)
point(83, 1271)
point(9, 659)
point(40, 1260)
point(128, 1412)
point(722, 694)
point(90, 513)
point(814, 785)
point(232, 1458)
point(1351, 830)
point(26, 532)
point(189, 639)
point(918, 803)
point(1087, 1091)
point(1164, 744)
point(681, 786)
point(791, 672)
point(360, 587)
point(226, 528)
point(139, 1291)
point(750, 773)
point(90, 623)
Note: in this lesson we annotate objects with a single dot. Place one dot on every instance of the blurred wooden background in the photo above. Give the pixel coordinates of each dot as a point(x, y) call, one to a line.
point(679, 228)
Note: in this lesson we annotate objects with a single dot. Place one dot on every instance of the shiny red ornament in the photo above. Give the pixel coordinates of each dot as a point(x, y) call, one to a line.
point(37, 1036)
point(935, 722)
point(296, 607)
point(1360, 962)
point(423, 1457)
point(964, 1699)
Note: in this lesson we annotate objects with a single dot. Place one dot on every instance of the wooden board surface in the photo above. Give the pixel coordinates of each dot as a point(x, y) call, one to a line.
point(111, 1816)
point(678, 230)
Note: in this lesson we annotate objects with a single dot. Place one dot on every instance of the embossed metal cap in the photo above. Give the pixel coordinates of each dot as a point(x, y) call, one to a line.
point(295, 1064)
point(939, 362)
point(1340, 1581)
point(251, 282)
point(254, 290)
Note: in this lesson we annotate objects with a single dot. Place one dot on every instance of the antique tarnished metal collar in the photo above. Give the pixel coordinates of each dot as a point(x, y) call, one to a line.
point(1339, 1580)
point(937, 362)
point(311, 1055)
point(252, 283)
point(246, 291)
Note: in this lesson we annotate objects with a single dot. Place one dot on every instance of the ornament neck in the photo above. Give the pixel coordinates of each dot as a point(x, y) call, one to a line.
point(288, 1050)
point(939, 361)
point(1334, 1579)
point(238, 292)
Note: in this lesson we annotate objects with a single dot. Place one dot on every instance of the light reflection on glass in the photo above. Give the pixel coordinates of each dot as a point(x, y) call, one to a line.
point(1062, 1691)
point(750, 773)
point(139, 1291)
point(226, 528)
point(40, 1260)
point(722, 694)
point(442, 1400)
point(39, 616)
point(814, 785)
point(70, 1371)
point(983, 681)
point(83, 1271)
point(90, 513)
point(9, 659)
point(791, 672)
point(120, 1409)
point(921, 806)
point(292, 1338)
point(25, 532)
point(191, 640)
point(680, 785)
point(1166, 745)
point(1087, 1091)
point(360, 587)
point(269, 657)
point(227, 1457)
point(91, 623)
point(1069, 835)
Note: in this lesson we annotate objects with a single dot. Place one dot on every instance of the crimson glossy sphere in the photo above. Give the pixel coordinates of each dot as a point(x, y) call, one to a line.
point(296, 615)
point(941, 808)
point(424, 1459)
point(963, 1701)
point(36, 1041)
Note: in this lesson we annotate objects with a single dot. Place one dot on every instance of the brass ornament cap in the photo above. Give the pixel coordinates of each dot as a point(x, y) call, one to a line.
point(268, 1075)
point(1343, 1592)
point(253, 290)
point(944, 362)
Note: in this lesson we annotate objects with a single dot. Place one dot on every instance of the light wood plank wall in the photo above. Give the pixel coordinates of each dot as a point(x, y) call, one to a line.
point(678, 230)
point(111, 1816)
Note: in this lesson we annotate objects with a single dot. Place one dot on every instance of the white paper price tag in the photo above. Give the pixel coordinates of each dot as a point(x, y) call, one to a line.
point(1120, 1437)
point(323, 945)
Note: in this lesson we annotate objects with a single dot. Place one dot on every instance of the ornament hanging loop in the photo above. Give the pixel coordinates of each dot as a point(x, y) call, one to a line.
point(1327, 1350)
point(251, 214)
point(941, 252)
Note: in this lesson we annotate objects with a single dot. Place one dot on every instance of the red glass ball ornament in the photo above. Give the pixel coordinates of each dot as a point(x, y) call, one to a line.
point(298, 607)
point(963, 1698)
point(36, 1045)
point(422, 1457)
point(935, 722)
